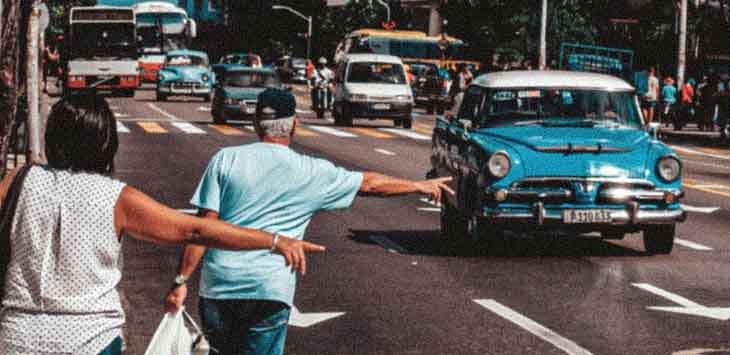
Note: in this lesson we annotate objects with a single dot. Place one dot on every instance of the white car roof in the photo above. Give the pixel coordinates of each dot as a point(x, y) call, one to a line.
point(552, 79)
point(380, 58)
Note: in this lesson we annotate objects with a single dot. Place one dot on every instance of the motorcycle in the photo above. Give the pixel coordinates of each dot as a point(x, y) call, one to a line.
point(322, 98)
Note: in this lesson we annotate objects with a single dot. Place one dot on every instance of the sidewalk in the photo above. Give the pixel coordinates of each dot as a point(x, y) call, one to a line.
point(690, 134)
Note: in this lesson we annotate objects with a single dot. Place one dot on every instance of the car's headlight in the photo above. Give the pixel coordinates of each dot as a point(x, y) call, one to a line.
point(499, 164)
point(403, 98)
point(229, 101)
point(669, 168)
point(358, 97)
point(205, 77)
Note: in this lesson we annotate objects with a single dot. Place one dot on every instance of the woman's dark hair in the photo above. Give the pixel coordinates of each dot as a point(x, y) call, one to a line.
point(81, 135)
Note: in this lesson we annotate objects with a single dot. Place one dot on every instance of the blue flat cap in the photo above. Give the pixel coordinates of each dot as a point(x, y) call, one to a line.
point(275, 103)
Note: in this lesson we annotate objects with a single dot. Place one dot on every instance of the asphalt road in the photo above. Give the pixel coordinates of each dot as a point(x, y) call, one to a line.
point(402, 289)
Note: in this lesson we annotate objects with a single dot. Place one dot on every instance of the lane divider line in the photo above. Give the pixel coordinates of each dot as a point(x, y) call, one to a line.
point(697, 152)
point(188, 211)
point(706, 210)
point(120, 115)
point(384, 152)
point(429, 209)
point(567, 345)
point(332, 131)
point(303, 132)
point(668, 295)
point(227, 130)
point(370, 132)
point(163, 112)
point(188, 128)
point(406, 133)
point(388, 244)
point(692, 245)
point(152, 127)
point(704, 189)
point(121, 128)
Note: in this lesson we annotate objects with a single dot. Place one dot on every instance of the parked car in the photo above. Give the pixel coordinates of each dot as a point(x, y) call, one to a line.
point(185, 73)
point(292, 69)
point(372, 86)
point(430, 87)
point(235, 60)
point(556, 152)
point(237, 90)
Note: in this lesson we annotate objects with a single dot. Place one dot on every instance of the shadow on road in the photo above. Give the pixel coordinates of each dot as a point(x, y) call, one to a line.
point(431, 243)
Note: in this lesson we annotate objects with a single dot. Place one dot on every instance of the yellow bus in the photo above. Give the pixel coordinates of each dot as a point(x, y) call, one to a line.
point(410, 46)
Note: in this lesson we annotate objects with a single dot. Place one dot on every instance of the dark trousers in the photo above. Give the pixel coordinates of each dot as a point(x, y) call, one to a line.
point(245, 327)
point(115, 348)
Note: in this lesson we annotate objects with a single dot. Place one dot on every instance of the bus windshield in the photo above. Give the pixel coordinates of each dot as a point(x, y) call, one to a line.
point(161, 32)
point(408, 48)
point(102, 40)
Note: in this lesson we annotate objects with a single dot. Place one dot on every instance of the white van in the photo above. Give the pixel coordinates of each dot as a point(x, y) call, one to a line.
point(372, 86)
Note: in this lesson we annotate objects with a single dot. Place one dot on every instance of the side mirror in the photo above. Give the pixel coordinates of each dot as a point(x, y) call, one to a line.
point(653, 129)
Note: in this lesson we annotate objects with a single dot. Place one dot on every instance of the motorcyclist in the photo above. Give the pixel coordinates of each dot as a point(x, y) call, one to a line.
point(322, 77)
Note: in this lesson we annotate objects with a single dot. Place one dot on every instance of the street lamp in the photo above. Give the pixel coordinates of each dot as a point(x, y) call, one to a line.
point(306, 18)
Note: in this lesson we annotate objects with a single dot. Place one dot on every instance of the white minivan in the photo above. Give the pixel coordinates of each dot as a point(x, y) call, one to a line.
point(372, 86)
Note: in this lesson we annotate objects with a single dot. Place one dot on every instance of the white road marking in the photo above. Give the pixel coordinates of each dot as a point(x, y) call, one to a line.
point(717, 166)
point(332, 131)
point(113, 108)
point(711, 186)
point(406, 133)
point(188, 128)
point(120, 115)
point(250, 128)
point(426, 200)
point(204, 109)
point(388, 244)
point(137, 119)
point(688, 307)
point(188, 211)
point(707, 210)
point(121, 128)
point(305, 320)
point(304, 112)
point(697, 152)
point(567, 345)
point(163, 112)
point(384, 152)
point(429, 209)
point(692, 245)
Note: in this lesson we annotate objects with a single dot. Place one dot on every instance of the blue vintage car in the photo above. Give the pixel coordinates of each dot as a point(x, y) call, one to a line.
point(556, 152)
point(235, 60)
point(237, 92)
point(187, 73)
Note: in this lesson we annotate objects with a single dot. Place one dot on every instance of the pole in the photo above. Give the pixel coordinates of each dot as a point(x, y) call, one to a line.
point(309, 37)
point(682, 52)
point(543, 36)
point(33, 87)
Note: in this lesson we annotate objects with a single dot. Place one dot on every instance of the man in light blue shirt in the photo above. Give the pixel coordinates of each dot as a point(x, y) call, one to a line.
point(246, 297)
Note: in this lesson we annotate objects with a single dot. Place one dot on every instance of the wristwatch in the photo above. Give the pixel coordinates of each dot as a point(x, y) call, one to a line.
point(180, 280)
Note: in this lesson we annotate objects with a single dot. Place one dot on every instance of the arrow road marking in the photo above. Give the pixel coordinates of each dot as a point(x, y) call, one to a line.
point(306, 320)
point(163, 112)
point(688, 307)
point(706, 210)
point(691, 244)
point(533, 327)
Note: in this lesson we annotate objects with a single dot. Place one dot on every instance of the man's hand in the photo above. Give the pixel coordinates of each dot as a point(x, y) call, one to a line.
point(294, 252)
point(432, 188)
point(175, 298)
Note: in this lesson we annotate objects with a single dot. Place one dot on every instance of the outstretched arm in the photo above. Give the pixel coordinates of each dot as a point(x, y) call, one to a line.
point(382, 185)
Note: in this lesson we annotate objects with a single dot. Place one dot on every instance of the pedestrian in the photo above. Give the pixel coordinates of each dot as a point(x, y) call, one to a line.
point(687, 102)
point(669, 100)
point(723, 109)
point(706, 103)
point(64, 262)
point(246, 297)
point(309, 69)
point(652, 95)
point(51, 61)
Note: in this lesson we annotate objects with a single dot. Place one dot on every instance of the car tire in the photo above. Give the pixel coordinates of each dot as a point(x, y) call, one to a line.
point(407, 123)
point(218, 118)
point(207, 98)
point(161, 97)
point(346, 116)
point(659, 239)
point(454, 225)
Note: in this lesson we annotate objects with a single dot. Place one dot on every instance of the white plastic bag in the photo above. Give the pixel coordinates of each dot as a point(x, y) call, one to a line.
point(172, 337)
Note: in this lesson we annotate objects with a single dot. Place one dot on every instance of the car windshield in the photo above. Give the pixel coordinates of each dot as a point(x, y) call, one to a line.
point(185, 60)
point(298, 63)
point(420, 69)
point(250, 79)
point(376, 73)
point(555, 107)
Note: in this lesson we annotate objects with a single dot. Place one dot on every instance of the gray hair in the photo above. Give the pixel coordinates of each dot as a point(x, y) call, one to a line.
point(280, 128)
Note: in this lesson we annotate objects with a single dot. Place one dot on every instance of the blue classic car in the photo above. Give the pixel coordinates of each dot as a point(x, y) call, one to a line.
point(237, 92)
point(185, 72)
point(556, 152)
point(236, 60)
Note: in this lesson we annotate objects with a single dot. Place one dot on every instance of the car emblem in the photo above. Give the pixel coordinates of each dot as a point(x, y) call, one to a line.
point(587, 186)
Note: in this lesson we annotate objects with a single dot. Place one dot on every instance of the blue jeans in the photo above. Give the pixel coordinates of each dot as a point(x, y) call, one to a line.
point(115, 348)
point(245, 327)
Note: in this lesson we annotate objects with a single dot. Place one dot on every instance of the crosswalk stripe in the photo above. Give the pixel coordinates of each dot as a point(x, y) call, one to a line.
point(121, 128)
point(188, 128)
point(303, 132)
point(332, 131)
point(152, 127)
point(370, 132)
point(227, 130)
point(423, 130)
point(406, 133)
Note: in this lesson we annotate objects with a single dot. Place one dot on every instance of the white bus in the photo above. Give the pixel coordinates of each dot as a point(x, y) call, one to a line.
point(102, 50)
point(161, 27)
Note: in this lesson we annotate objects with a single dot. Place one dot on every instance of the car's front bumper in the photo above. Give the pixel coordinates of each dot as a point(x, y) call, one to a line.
point(396, 110)
point(176, 88)
point(239, 111)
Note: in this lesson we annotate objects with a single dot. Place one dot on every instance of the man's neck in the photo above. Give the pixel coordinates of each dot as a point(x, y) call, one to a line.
point(277, 140)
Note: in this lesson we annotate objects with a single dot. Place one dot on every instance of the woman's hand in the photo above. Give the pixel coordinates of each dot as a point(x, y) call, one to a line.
point(294, 252)
point(176, 298)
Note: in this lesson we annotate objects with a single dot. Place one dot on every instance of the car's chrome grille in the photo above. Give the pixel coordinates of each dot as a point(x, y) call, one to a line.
point(576, 189)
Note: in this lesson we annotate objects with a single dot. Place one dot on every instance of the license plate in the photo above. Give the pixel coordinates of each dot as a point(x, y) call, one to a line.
point(586, 216)
point(381, 107)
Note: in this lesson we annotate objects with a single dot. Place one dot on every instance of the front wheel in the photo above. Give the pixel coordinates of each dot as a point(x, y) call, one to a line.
point(346, 119)
point(161, 96)
point(407, 123)
point(453, 223)
point(659, 239)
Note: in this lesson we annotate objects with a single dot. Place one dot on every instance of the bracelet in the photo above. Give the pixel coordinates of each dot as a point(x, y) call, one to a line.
point(273, 243)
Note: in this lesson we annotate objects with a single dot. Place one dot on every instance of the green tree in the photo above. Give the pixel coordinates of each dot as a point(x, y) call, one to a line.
point(59, 10)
